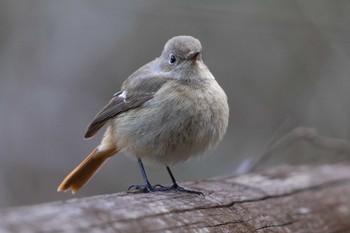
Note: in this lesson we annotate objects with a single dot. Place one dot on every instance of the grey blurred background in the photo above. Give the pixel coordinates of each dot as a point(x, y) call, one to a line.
point(61, 61)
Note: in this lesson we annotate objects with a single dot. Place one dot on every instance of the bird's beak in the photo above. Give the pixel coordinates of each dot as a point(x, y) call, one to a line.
point(193, 56)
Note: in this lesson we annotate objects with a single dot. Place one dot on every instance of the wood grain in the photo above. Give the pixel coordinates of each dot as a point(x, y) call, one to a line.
point(284, 199)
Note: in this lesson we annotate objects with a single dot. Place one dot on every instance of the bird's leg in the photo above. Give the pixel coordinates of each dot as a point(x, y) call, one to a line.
point(175, 186)
point(146, 187)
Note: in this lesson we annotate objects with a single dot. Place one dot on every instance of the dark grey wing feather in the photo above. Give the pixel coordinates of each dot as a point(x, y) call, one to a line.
point(139, 87)
point(116, 106)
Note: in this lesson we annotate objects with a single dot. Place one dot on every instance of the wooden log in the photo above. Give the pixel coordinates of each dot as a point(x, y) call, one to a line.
point(284, 199)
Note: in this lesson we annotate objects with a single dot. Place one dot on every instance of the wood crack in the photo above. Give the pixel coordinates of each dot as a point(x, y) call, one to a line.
point(275, 225)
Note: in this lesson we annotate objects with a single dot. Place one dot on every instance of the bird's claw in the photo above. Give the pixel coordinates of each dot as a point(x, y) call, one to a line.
point(175, 187)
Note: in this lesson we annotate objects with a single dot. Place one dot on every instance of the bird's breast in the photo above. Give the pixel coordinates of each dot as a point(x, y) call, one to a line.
point(180, 121)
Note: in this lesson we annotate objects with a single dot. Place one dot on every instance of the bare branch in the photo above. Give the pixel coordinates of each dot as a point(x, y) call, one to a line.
point(309, 135)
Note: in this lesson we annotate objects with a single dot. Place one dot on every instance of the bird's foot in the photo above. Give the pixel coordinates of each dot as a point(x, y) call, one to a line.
point(147, 188)
point(141, 188)
point(175, 187)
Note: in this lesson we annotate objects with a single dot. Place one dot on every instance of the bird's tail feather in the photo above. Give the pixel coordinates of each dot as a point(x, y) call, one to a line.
point(85, 170)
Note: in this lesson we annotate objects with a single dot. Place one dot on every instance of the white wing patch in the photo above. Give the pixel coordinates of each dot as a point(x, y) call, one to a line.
point(122, 95)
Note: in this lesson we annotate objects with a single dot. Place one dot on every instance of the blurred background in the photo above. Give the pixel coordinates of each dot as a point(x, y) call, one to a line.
point(61, 62)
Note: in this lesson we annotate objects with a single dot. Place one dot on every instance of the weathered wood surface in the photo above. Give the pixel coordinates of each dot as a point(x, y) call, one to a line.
point(285, 199)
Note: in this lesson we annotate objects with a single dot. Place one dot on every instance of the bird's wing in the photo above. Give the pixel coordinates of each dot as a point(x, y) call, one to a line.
point(136, 90)
point(115, 106)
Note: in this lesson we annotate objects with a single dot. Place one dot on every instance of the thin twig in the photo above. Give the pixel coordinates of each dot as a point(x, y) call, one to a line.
point(309, 135)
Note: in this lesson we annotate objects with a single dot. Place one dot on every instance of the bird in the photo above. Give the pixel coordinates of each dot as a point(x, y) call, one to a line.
point(167, 111)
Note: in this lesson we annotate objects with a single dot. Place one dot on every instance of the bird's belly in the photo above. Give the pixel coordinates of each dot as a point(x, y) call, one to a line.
point(170, 130)
point(167, 139)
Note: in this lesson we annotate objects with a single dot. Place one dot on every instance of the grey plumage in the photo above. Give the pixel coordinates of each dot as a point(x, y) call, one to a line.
point(167, 111)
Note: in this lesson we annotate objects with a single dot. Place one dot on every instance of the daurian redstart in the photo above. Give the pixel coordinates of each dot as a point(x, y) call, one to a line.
point(169, 110)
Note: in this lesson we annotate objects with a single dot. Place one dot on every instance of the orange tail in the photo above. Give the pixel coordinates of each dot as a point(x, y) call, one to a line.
point(84, 171)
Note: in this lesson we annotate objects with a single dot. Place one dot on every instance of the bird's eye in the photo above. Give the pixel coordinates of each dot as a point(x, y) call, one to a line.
point(172, 59)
